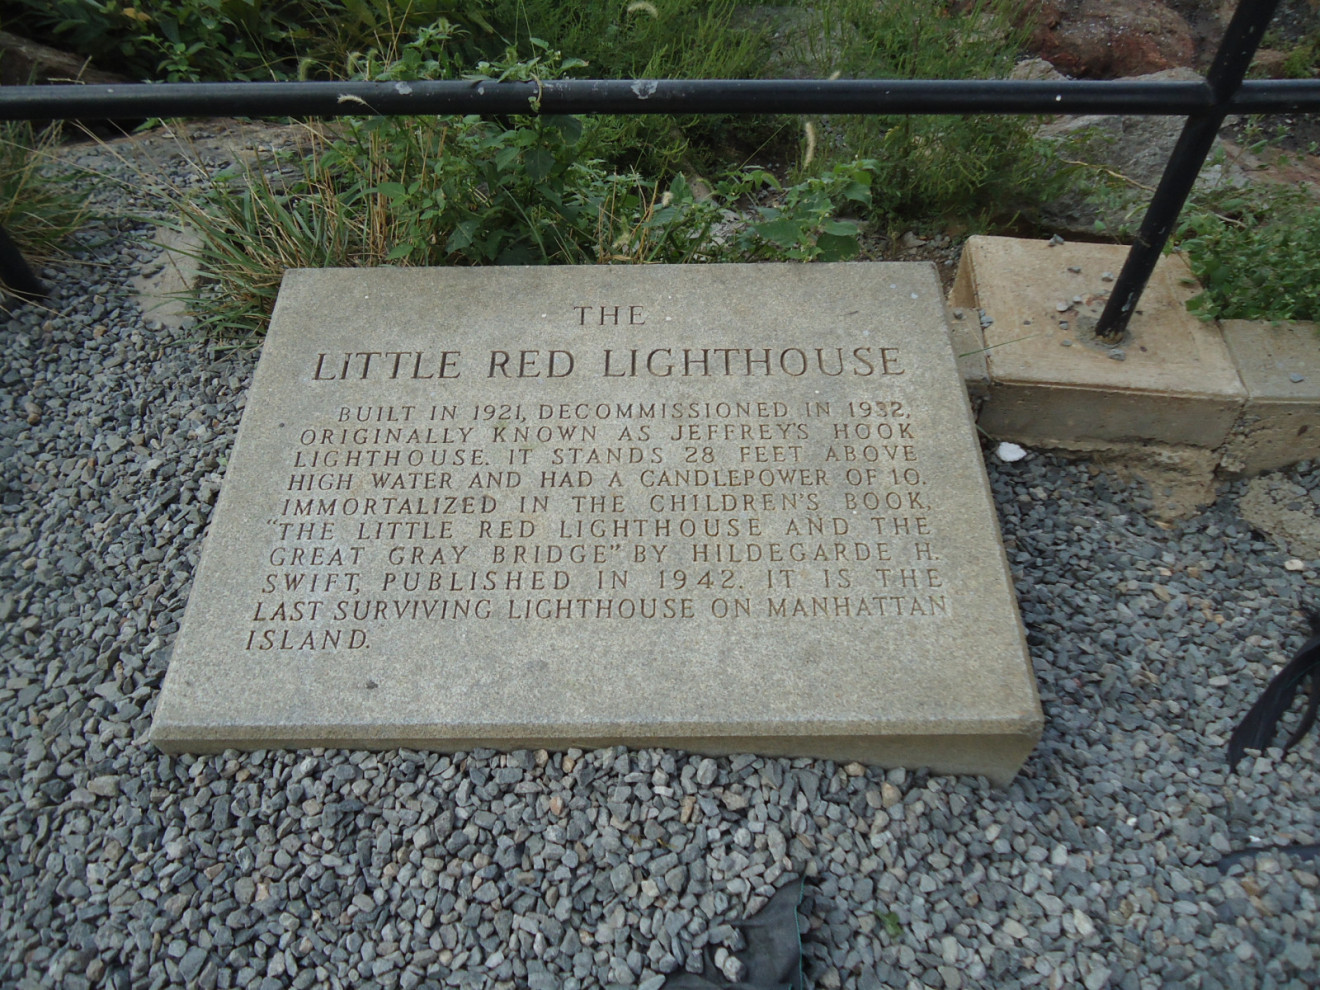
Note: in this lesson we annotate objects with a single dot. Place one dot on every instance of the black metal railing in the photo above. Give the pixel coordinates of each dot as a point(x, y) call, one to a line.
point(1205, 104)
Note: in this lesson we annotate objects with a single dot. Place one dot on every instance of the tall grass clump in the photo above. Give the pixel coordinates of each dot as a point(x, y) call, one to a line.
point(930, 167)
point(525, 189)
point(659, 39)
point(40, 206)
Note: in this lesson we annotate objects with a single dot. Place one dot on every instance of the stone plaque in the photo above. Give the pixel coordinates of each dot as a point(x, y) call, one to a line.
point(719, 508)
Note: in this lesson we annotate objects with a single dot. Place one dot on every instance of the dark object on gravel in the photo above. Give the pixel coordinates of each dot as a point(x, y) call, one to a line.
point(1230, 860)
point(15, 274)
point(1256, 730)
point(772, 959)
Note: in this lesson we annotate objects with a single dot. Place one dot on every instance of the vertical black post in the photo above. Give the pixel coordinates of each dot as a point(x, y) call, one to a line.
point(1241, 38)
point(15, 274)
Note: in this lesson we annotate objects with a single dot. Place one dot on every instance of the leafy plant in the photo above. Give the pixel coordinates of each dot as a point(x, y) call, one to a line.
point(1303, 62)
point(234, 39)
point(469, 190)
point(180, 40)
point(930, 166)
point(1255, 251)
point(664, 39)
point(345, 29)
point(803, 223)
point(1301, 55)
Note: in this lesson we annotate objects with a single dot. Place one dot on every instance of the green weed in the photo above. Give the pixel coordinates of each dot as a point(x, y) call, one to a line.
point(1255, 251)
point(1301, 55)
point(39, 204)
point(234, 39)
point(470, 190)
point(930, 167)
point(664, 39)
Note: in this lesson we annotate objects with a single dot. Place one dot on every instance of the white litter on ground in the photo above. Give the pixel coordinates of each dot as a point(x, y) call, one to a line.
point(1010, 452)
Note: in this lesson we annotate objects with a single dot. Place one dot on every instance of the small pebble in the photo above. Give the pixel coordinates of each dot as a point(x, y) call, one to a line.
point(1118, 354)
point(1010, 452)
point(1296, 378)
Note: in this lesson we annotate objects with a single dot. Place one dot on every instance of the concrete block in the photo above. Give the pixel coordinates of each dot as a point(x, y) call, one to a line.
point(1172, 381)
point(719, 508)
point(1280, 423)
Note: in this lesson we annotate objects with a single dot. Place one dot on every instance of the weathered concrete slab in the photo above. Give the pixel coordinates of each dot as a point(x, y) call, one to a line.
point(1171, 382)
point(725, 508)
point(968, 340)
point(1280, 367)
point(162, 294)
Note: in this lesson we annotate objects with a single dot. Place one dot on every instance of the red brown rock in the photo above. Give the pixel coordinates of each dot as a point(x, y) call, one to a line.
point(1108, 39)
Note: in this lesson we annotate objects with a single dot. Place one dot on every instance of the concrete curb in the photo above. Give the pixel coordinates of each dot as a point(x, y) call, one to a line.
point(1231, 399)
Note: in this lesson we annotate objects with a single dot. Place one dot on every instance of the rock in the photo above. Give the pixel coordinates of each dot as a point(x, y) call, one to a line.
point(104, 786)
point(1036, 69)
point(1111, 39)
point(1273, 508)
point(1270, 62)
point(1135, 147)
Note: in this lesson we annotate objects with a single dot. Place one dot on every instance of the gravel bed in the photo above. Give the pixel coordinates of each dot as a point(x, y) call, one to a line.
point(571, 870)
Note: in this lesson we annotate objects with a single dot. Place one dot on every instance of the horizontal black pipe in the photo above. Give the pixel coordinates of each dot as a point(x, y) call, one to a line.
point(331, 99)
point(1277, 96)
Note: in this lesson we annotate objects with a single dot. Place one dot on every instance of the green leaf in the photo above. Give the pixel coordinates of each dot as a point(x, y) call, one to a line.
point(834, 247)
point(783, 232)
point(569, 127)
point(462, 235)
point(539, 163)
point(550, 193)
point(841, 228)
point(516, 254)
point(856, 192)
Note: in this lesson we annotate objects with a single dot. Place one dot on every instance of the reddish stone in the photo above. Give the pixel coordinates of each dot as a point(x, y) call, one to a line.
point(1108, 39)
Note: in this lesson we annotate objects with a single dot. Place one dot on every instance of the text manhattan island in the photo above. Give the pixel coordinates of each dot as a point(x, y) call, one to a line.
point(273, 638)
